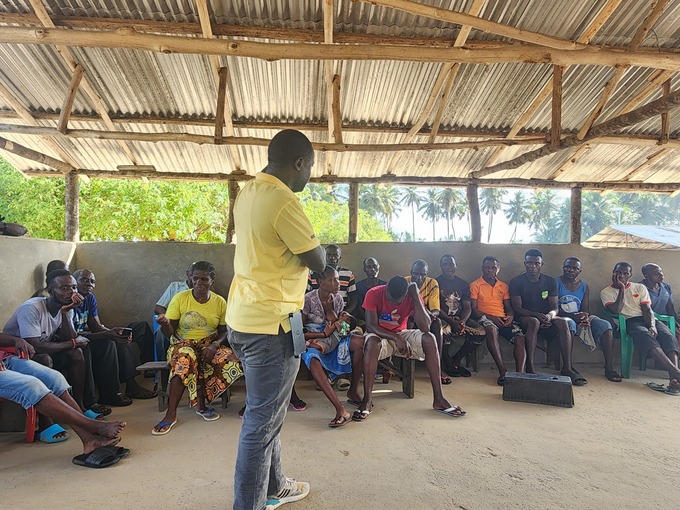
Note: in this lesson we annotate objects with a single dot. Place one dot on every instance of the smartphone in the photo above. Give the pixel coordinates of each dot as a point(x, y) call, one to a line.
point(296, 328)
point(126, 332)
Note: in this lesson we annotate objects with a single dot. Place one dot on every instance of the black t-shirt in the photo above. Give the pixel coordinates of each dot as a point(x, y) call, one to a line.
point(457, 289)
point(534, 294)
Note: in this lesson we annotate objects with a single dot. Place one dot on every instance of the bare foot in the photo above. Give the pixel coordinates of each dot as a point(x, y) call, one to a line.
point(441, 404)
point(94, 441)
point(110, 429)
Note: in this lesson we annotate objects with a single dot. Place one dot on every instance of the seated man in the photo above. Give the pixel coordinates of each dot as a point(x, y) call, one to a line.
point(491, 306)
point(162, 342)
point(454, 295)
point(372, 269)
point(534, 299)
point(348, 287)
point(651, 337)
point(47, 324)
point(31, 384)
point(388, 308)
point(53, 265)
point(660, 293)
point(428, 288)
point(574, 304)
point(113, 360)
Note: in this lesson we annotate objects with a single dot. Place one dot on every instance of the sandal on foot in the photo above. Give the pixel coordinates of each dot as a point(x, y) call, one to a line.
point(92, 415)
point(100, 458)
point(342, 384)
point(656, 387)
point(445, 380)
point(100, 409)
point(49, 435)
point(143, 395)
point(673, 388)
point(576, 378)
point(158, 429)
point(612, 375)
point(360, 415)
point(298, 405)
point(208, 414)
point(459, 372)
point(501, 381)
point(340, 421)
point(453, 412)
point(117, 400)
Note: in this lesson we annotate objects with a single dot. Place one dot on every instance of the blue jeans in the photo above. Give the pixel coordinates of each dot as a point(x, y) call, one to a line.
point(27, 382)
point(270, 370)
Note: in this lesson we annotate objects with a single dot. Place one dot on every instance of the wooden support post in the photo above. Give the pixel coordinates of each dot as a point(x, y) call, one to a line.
point(575, 229)
point(221, 98)
point(475, 218)
point(70, 98)
point(231, 227)
point(666, 116)
point(556, 125)
point(353, 205)
point(72, 207)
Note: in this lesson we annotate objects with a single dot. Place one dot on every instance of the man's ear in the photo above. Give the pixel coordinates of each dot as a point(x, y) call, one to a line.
point(299, 162)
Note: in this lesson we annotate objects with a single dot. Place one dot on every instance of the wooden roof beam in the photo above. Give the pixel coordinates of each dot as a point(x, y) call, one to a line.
point(70, 98)
point(131, 39)
point(666, 116)
point(556, 109)
point(36, 156)
point(666, 103)
point(651, 160)
point(226, 114)
point(67, 56)
point(333, 115)
point(654, 14)
point(384, 179)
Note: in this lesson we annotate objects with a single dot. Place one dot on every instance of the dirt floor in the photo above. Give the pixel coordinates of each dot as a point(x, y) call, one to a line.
point(617, 448)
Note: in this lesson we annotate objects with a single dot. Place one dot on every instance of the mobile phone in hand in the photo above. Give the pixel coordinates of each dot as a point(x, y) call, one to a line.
point(126, 331)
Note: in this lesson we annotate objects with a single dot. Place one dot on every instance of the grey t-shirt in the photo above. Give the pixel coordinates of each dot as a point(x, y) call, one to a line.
point(33, 319)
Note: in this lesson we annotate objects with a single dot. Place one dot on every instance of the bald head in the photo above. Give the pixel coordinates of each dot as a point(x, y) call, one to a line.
point(290, 159)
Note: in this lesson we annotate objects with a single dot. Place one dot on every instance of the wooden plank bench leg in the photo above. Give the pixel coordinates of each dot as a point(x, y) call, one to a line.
point(408, 381)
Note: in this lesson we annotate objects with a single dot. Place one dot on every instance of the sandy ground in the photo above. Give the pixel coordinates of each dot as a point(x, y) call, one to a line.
point(617, 448)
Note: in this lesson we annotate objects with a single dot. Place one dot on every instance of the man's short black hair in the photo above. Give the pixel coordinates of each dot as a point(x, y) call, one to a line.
point(575, 259)
point(396, 287)
point(489, 258)
point(533, 252)
point(648, 267)
point(623, 264)
point(57, 273)
point(445, 256)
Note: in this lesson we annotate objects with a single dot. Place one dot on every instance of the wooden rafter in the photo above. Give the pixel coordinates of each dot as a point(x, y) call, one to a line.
point(131, 39)
point(27, 116)
point(656, 80)
point(36, 156)
point(651, 19)
point(227, 111)
point(221, 99)
point(68, 58)
point(556, 114)
point(666, 116)
point(395, 180)
point(592, 28)
point(328, 67)
point(70, 98)
point(481, 24)
point(651, 160)
point(584, 149)
point(666, 103)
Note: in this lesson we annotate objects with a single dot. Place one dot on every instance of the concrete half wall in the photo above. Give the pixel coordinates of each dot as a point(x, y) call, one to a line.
point(24, 261)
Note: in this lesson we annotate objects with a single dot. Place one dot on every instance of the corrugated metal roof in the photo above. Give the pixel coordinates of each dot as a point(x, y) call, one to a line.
point(135, 83)
point(636, 236)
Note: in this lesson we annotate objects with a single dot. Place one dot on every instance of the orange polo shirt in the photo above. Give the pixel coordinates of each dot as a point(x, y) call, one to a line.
point(490, 298)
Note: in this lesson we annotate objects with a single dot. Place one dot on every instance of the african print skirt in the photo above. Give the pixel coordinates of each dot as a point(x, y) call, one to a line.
point(185, 360)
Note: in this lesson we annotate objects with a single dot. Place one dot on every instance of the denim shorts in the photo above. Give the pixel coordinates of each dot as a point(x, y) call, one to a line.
point(597, 327)
point(27, 382)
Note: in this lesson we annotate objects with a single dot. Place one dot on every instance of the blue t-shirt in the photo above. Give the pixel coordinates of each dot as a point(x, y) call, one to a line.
point(569, 301)
point(660, 299)
point(84, 311)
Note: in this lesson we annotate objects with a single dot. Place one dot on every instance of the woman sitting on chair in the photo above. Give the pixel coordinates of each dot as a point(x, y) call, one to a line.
point(331, 349)
point(198, 358)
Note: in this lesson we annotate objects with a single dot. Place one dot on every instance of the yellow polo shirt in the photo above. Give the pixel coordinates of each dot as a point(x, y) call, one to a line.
point(429, 293)
point(269, 279)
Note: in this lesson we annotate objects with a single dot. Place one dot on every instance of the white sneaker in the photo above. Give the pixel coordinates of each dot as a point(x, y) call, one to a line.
point(290, 492)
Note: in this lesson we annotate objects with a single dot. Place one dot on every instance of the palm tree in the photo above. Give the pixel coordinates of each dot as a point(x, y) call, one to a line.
point(491, 200)
point(597, 213)
point(452, 204)
point(411, 197)
point(543, 207)
point(369, 200)
point(517, 212)
point(389, 196)
point(379, 200)
point(431, 208)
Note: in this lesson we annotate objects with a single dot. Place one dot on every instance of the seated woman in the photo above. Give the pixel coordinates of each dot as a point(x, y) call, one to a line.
point(329, 344)
point(195, 324)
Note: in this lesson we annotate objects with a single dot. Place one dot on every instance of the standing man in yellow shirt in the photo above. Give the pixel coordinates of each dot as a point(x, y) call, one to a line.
point(275, 248)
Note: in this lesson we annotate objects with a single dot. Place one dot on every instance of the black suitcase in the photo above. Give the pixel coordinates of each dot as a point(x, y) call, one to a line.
point(554, 390)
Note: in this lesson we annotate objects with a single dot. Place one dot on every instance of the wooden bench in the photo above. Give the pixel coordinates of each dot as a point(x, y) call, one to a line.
point(162, 373)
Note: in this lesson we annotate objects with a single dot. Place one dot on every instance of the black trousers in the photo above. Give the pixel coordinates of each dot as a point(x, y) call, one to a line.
point(142, 335)
point(101, 371)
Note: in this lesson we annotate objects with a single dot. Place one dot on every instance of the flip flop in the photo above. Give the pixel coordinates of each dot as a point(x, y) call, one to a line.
point(100, 409)
point(613, 376)
point(672, 391)
point(656, 387)
point(360, 415)
point(339, 422)
point(445, 380)
point(452, 412)
point(144, 395)
point(93, 415)
point(576, 378)
point(342, 384)
point(118, 451)
point(100, 458)
point(117, 400)
point(49, 434)
point(161, 425)
point(501, 381)
point(209, 414)
point(298, 405)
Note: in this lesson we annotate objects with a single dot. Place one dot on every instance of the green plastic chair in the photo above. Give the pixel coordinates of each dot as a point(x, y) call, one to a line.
point(627, 342)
